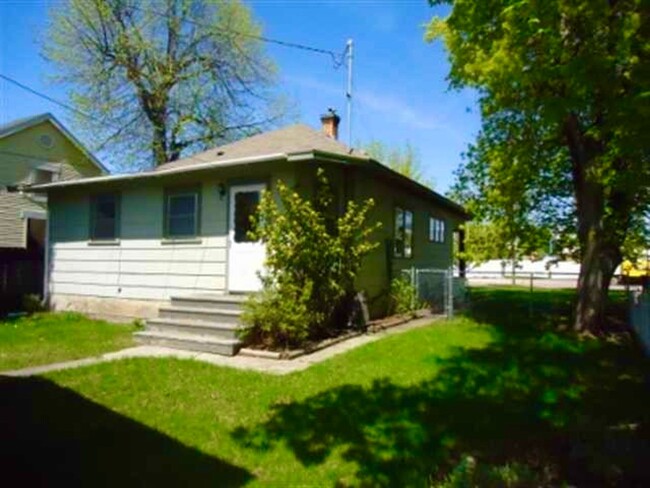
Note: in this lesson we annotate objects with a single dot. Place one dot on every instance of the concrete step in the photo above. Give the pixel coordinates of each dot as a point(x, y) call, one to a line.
point(198, 327)
point(221, 302)
point(188, 342)
point(212, 315)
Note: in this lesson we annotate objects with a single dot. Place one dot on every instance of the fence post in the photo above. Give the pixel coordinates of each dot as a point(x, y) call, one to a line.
point(450, 293)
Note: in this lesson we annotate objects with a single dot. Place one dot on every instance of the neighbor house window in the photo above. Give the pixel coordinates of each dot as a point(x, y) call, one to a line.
point(182, 210)
point(403, 233)
point(104, 217)
point(436, 230)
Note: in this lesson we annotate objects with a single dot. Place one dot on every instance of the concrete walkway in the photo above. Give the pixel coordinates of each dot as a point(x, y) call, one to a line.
point(263, 365)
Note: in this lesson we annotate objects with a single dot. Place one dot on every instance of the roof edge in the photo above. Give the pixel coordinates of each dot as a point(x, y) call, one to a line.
point(154, 174)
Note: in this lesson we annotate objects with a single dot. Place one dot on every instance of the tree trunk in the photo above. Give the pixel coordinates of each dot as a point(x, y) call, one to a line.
point(599, 249)
point(598, 263)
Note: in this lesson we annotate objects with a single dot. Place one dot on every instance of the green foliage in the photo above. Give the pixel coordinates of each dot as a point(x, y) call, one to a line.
point(403, 295)
point(312, 260)
point(563, 92)
point(280, 316)
point(162, 79)
point(404, 160)
point(469, 473)
point(494, 240)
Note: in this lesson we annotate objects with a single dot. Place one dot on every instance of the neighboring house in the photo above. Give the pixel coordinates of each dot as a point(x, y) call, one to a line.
point(123, 245)
point(33, 150)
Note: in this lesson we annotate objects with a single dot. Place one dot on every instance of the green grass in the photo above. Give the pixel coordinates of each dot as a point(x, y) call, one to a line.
point(51, 337)
point(531, 404)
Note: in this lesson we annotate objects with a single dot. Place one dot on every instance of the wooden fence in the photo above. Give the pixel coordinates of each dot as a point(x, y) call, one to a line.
point(21, 273)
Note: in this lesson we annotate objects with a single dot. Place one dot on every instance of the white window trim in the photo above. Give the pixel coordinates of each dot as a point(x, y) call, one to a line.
point(34, 214)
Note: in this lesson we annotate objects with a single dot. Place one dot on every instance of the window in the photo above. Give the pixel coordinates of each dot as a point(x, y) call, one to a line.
point(436, 230)
point(246, 203)
point(182, 214)
point(403, 233)
point(104, 213)
point(42, 176)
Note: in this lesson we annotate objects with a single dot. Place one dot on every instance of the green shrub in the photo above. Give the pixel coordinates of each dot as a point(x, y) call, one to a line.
point(468, 473)
point(313, 256)
point(403, 296)
point(280, 316)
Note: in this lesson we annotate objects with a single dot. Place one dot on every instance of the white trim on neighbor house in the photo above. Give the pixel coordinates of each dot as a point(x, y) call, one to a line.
point(34, 214)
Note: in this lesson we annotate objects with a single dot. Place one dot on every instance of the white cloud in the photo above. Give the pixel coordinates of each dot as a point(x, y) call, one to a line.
point(380, 103)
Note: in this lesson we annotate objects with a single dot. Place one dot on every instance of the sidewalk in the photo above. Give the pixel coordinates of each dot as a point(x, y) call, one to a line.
point(263, 365)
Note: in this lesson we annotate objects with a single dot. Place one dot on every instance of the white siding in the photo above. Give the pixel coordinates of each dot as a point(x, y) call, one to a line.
point(142, 266)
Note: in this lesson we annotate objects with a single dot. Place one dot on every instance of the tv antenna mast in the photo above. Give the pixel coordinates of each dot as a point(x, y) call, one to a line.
point(348, 94)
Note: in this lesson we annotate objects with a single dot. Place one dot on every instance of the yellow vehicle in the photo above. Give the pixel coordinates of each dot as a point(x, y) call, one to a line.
point(634, 273)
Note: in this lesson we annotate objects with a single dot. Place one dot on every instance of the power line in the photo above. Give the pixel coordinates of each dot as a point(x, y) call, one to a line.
point(43, 95)
point(337, 58)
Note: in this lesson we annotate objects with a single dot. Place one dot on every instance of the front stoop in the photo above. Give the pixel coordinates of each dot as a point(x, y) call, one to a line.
point(203, 323)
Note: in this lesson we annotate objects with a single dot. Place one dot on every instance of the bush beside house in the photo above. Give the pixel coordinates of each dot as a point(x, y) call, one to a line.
point(313, 258)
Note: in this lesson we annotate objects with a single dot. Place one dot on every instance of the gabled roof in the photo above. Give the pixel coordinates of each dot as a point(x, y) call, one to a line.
point(25, 123)
point(291, 140)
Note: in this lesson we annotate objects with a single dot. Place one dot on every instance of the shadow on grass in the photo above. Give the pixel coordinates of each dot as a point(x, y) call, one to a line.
point(51, 436)
point(565, 409)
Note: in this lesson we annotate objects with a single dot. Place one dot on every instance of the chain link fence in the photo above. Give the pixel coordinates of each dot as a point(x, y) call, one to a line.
point(437, 289)
point(640, 316)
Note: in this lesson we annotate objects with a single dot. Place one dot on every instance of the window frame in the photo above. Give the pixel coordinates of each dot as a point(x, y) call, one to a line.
point(437, 230)
point(93, 218)
point(403, 210)
point(182, 191)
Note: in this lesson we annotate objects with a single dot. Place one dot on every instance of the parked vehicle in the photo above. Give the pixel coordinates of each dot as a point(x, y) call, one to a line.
point(634, 272)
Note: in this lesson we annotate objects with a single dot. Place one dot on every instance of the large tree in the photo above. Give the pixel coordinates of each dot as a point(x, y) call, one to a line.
point(162, 79)
point(564, 95)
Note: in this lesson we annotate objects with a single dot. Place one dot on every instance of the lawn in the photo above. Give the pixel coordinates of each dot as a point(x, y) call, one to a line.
point(501, 396)
point(51, 337)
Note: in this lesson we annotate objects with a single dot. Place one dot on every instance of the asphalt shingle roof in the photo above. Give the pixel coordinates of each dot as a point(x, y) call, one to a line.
point(294, 139)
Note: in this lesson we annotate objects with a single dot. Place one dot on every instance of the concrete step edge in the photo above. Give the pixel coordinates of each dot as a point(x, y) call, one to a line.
point(217, 299)
point(204, 324)
point(186, 337)
point(199, 310)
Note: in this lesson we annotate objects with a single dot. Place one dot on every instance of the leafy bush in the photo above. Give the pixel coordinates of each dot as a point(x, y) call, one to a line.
point(280, 317)
point(403, 295)
point(313, 256)
point(469, 473)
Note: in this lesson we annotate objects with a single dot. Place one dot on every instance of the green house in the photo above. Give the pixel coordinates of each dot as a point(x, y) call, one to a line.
point(125, 245)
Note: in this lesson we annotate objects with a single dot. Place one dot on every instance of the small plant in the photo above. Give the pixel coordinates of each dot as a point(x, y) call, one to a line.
point(33, 304)
point(277, 317)
point(403, 295)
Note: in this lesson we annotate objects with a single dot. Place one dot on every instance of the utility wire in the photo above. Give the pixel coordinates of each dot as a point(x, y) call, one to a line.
point(337, 59)
point(43, 95)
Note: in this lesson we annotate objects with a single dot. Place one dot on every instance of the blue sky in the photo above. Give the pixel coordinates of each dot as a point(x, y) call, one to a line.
point(400, 91)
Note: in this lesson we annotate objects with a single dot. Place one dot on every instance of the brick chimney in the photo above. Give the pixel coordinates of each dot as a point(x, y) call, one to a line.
point(330, 123)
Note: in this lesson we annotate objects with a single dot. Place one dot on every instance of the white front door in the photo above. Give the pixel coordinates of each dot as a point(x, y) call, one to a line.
point(245, 256)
